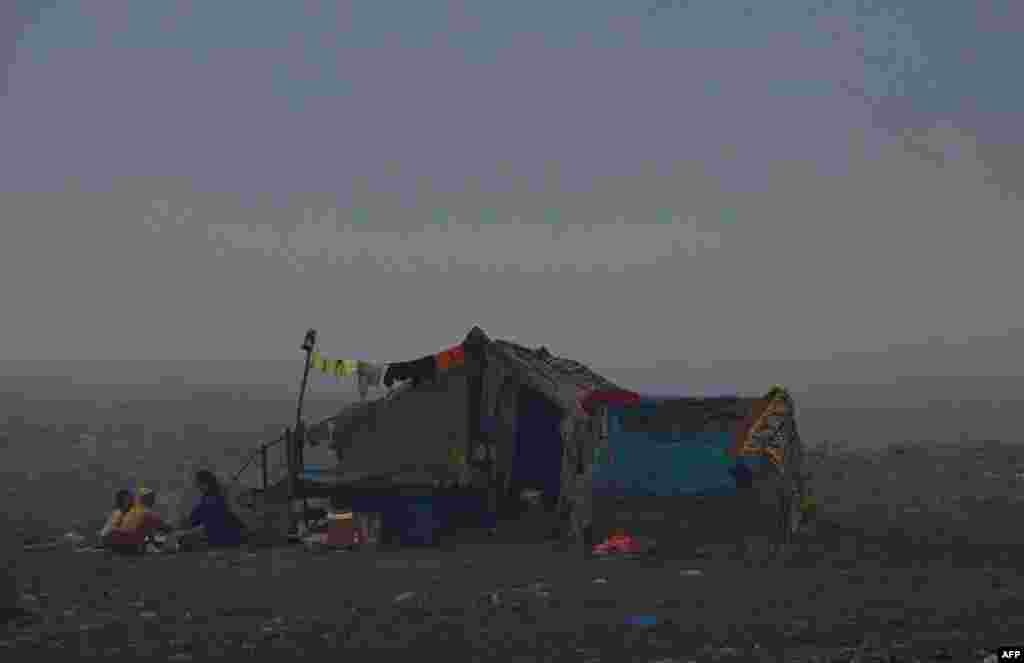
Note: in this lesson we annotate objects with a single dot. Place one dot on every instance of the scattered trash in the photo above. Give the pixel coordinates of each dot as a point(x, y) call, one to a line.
point(44, 546)
point(74, 538)
point(644, 621)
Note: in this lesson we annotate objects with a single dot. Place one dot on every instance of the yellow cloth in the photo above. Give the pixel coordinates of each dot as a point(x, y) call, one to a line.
point(456, 456)
point(339, 368)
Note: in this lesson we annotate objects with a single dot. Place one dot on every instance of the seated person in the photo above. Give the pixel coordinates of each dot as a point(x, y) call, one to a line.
point(211, 522)
point(137, 525)
point(123, 502)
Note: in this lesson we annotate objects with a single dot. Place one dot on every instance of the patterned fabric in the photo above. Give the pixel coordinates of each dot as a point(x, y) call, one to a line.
point(770, 433)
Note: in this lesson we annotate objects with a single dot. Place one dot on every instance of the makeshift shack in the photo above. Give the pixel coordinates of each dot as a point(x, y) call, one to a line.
point(472, 438)
point(451, 448)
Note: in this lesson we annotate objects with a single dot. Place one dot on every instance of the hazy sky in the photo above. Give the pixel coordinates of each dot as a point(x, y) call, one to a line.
point(621, 180)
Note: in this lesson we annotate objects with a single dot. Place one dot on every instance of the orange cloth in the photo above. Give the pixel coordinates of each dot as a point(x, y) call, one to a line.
point(450, 358)
point(134, 517)
point(147, 523)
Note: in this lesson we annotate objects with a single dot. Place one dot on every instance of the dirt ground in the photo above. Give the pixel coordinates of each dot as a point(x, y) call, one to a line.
point(918, 557)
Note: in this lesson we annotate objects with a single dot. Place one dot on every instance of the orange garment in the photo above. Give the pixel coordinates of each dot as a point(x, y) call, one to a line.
point(147, 523)
point(450, 358)
point(134, 517)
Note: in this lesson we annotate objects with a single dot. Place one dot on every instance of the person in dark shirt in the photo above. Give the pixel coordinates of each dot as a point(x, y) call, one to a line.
point(211, 522)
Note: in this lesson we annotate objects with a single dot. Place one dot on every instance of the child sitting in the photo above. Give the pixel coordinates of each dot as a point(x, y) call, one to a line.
point(123, 502)
point(138, 525)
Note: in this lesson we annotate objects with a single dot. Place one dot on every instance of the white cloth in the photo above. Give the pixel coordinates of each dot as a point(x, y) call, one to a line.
point(368, 374)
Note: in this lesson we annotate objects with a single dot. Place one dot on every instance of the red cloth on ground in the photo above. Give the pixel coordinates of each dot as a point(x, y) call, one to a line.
point(621, 544)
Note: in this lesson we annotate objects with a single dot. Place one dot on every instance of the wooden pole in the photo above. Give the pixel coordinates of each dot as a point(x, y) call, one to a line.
point(300, 452)
point(289, 445)
point(294, 455)
point(263, 465)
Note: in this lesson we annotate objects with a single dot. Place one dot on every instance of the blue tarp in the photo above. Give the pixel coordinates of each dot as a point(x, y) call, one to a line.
point(663, 463)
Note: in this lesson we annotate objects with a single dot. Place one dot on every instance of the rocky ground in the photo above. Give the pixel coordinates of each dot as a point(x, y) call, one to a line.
point(918, 557)
point(831, 601)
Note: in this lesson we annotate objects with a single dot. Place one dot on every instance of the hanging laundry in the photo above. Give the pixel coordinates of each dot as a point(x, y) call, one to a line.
point(419, 370)
point(339, 368)
point(344, 367)
point(450, 358)
point(368, 375)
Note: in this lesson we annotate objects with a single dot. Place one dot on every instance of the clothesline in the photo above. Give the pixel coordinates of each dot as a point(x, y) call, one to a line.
point(372, 374)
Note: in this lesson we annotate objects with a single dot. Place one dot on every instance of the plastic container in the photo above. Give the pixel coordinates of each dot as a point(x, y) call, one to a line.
point(341, 529)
